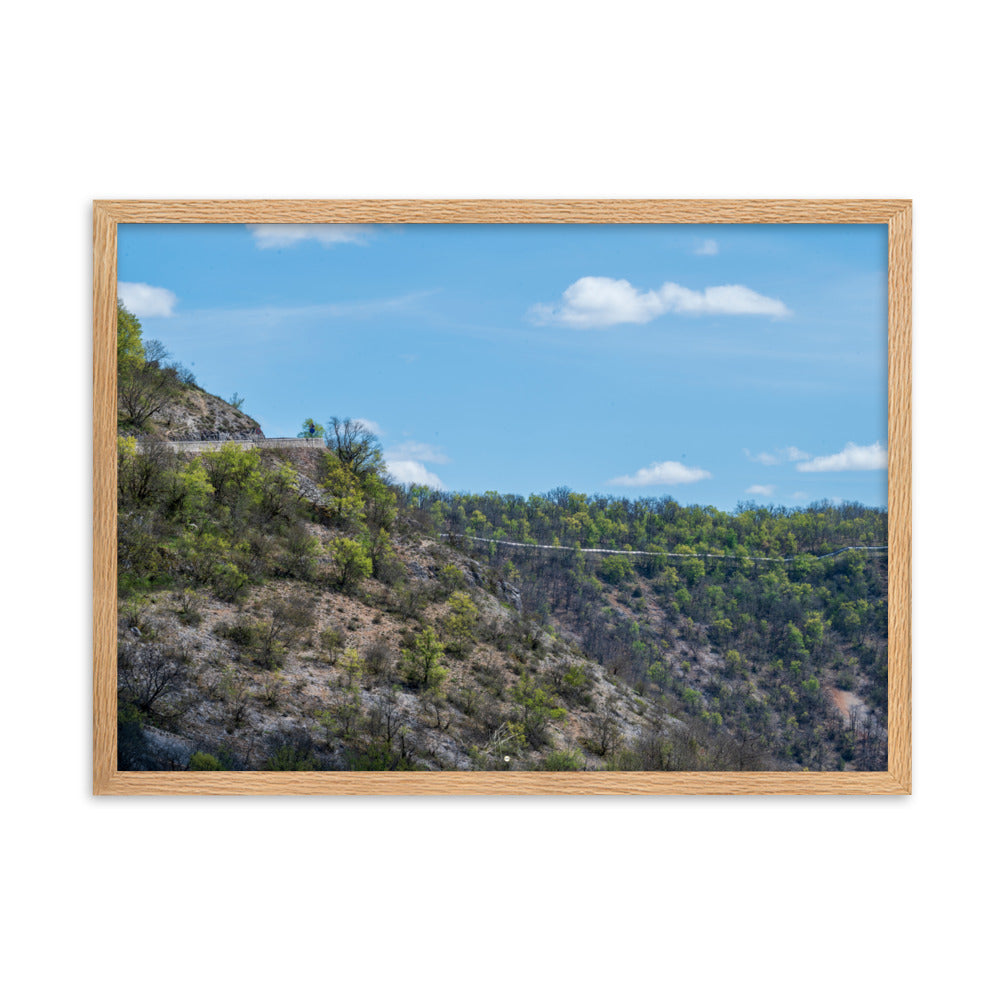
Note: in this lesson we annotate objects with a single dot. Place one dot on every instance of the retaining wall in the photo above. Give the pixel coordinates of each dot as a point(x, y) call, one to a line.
point(260, 442)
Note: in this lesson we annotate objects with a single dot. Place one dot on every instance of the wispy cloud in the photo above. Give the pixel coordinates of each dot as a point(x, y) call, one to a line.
point(417, 451)
point(280, 318)
point(761, 491)
point(271, 237)
point(662, 474)
point(853, 458)
point(600, 302)
point(707, 248)
point(779, 455)
point(146, 300)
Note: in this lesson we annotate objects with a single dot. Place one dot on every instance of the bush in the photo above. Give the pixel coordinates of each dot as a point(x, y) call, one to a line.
point(423, 662)
point(204, 762)
point(229, 582)
point(350, 563)
point(131, 742)
point(563, 760)
point(379, 659)
point(616, 569)
point(451, 578)
point(460, 622)
point(187, 607)
point(290, 758)
point(147, 674)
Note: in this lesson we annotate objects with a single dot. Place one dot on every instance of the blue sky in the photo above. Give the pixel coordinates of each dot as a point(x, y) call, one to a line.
point(714, 364)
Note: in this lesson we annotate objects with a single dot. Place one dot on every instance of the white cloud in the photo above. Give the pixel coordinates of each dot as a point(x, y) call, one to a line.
point(595, 302)
point(760, 491)
point(800, 495)
point(779, 455)
point(270, 237)
point(408, 471)
point(765, 458)
point(662, 474)
point(416, 451)
point(146, 300)
point(854, 458)
point(707, 248)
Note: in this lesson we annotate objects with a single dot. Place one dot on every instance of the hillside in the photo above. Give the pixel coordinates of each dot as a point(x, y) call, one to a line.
point(283, 610)
point(157, 397)
point(292, 608)
point(304, 666)
point(196, 415)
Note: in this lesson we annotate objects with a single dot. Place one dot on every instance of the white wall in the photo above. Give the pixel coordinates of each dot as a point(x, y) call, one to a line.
point(497, 898)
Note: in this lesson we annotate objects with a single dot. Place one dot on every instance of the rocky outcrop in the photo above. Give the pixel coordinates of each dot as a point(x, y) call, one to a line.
point(196, 415)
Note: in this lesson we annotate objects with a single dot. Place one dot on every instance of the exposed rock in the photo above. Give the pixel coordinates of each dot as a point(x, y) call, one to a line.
point(196, 415)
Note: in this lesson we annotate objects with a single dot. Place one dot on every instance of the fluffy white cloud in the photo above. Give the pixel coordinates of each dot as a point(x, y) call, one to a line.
point(416, 451)
point(408, 471)
point(270, 237)
point(854, 458)
point(707, 248)
point(596, 302)
point(146, 300)
point(761, 491)
point(662, 474)
point(790, 454)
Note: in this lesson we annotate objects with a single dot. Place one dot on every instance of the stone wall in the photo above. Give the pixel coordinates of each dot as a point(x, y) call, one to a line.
point(190, 447)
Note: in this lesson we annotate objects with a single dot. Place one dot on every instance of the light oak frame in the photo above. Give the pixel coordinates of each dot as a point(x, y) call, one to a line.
point(107, 780)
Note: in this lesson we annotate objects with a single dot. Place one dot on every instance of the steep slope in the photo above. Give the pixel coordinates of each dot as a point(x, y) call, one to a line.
point(247, 641)
point(196, 415)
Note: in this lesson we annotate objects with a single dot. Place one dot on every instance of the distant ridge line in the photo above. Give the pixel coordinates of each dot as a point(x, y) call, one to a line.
point(668, 555)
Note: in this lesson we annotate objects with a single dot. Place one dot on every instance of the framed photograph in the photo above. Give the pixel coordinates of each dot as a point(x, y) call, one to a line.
point(502, 497)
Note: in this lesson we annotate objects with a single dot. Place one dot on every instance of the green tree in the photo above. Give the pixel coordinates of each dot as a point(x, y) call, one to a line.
point(460, 622)
point(145, 384)
point(423, 662)
point(355, 444)
point(130, 350)
point(351, 565)
point(344, 499)
point(311, 429)
point(538, 709)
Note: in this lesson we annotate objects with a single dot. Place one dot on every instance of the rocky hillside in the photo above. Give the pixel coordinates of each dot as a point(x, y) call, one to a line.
point(300, 634)
point(195, 415)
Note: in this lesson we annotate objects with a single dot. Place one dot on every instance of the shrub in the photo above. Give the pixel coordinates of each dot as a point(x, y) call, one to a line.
point(331, 641)
point(378, 659)
point(563, 760)
point(350, 563)
point(451, 578)
point(187, 607)
point(460, 622)
point(229, 582)
point(290, 758)
point(616, 569)
point(538, 709)
point(146, 674)
point(131, 742)
point(423, 662)
point(204, 762)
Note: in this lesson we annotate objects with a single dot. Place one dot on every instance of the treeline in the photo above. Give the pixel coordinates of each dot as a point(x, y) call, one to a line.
point(750, 647)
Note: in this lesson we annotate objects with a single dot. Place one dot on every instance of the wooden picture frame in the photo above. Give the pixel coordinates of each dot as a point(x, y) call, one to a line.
point(107, 780)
